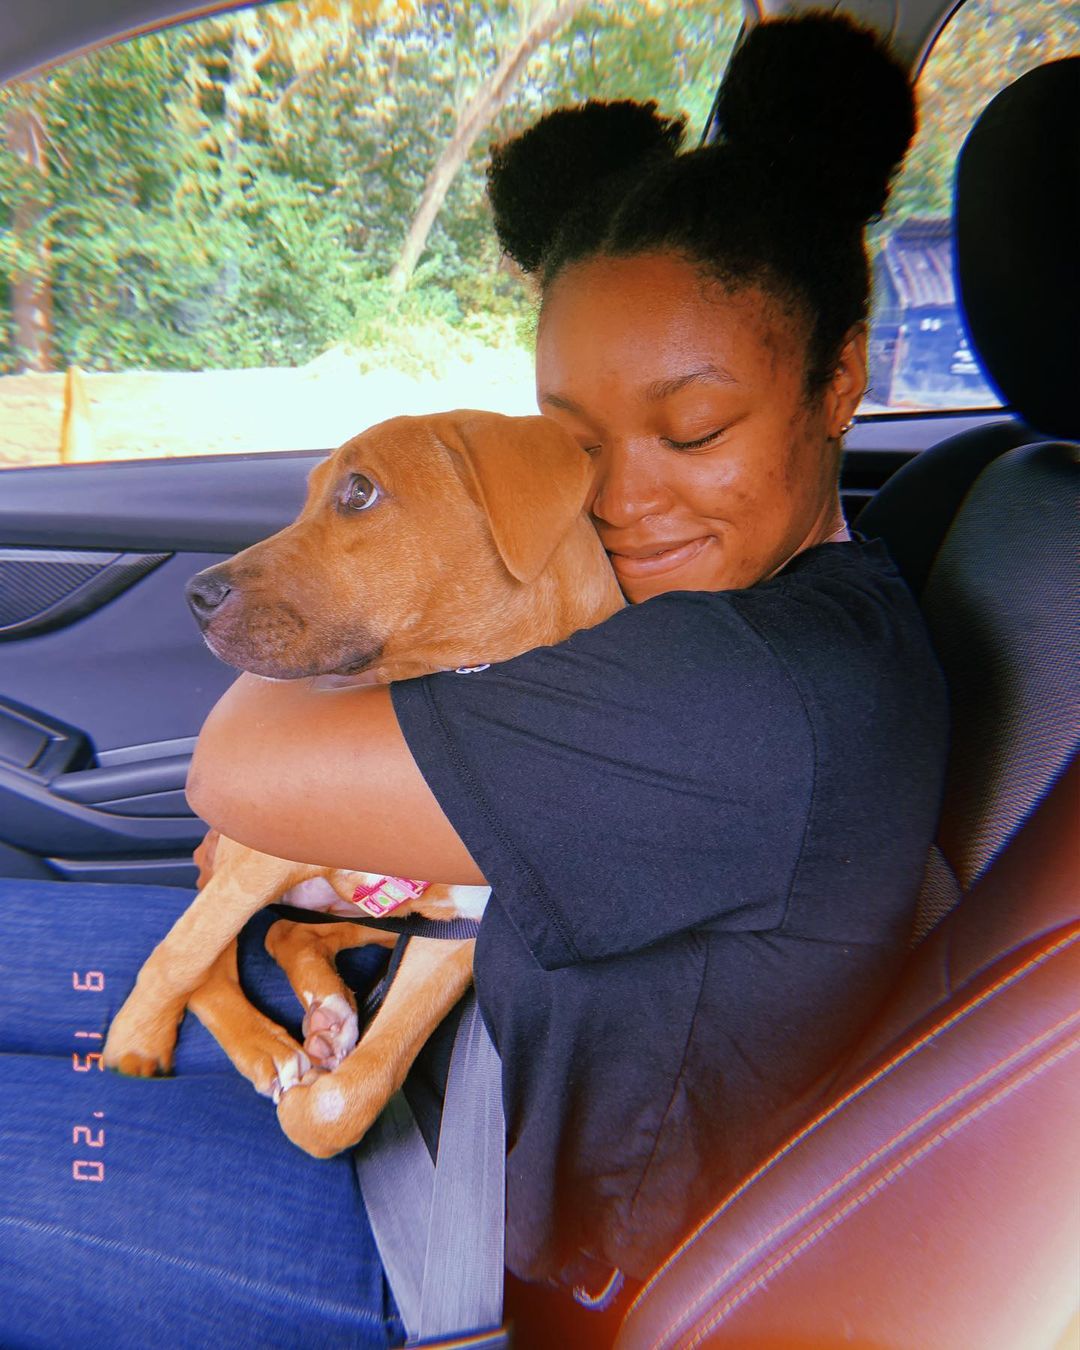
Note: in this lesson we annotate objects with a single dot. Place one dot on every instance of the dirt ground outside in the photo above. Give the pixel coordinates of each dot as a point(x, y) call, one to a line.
point(147, 415)
point(164, 414)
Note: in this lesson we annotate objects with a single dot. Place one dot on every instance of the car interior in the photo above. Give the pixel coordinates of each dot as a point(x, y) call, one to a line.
point(927, 1194)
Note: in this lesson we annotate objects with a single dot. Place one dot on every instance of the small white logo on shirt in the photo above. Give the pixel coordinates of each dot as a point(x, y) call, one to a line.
point(471, 670)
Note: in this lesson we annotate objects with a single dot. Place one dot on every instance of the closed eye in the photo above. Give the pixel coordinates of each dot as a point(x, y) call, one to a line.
point(694, 445)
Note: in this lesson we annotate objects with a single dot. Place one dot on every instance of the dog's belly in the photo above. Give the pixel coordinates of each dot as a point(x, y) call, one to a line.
point(461, 902)
point(447, 902)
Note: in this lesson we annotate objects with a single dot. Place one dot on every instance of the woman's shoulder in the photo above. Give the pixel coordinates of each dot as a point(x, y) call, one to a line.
point(846, 601)
point(838, 615)
point(849, 592)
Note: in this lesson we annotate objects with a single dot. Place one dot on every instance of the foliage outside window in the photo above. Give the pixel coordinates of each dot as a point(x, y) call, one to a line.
point(246, 194)
point(267, 230)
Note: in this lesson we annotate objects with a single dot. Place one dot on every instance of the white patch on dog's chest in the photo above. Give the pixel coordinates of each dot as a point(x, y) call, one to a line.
point(465, 902)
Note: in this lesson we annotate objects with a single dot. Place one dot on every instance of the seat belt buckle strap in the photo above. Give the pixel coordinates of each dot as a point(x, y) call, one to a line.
point(440, 1227)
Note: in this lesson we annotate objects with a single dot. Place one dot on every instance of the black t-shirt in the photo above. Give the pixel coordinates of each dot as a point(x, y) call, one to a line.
point(704, 822)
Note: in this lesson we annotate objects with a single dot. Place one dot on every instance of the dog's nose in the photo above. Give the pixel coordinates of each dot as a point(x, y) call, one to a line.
point(205, 593)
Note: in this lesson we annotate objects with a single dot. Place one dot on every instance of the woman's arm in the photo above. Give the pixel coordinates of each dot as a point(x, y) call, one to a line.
point(322, 776)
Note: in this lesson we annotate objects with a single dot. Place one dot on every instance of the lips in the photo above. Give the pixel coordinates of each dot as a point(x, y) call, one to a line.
point(654, 559)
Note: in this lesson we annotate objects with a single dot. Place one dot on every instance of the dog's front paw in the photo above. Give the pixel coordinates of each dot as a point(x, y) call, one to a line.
point(142, 1039)
point(331, 1030)
point(314, 1115)
point(289, 1072)
point(328, 1112)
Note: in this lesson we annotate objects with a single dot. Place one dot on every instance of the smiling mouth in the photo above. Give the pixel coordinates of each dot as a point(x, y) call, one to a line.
point(663, 560)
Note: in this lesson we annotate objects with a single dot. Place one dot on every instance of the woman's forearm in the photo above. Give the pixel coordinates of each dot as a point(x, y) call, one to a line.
point(322, 775)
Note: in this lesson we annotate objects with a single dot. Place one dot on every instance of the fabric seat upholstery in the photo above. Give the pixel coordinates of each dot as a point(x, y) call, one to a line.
point(1001, 603)
point(914, 509)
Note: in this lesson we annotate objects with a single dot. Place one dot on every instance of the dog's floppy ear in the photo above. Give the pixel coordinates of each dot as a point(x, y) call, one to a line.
point(530, 476)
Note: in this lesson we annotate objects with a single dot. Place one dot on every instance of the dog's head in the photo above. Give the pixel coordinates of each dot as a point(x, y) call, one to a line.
point(415, 544)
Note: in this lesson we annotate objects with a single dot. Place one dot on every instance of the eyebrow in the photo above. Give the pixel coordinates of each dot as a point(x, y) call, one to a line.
point(658, 390)
point(710, 374)
point(558, 401)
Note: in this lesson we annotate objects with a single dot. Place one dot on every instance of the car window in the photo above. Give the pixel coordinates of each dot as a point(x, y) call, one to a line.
point(266, 230)
point(919, 355)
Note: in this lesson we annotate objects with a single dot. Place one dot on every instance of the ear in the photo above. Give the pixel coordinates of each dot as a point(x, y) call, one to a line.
point(848, 383)
point(530, 476)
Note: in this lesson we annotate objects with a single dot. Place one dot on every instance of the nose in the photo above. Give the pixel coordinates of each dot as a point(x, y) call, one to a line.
point(626, 487)
point(206, 592)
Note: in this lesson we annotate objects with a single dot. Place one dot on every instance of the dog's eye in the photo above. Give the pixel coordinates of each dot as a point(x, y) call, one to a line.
point(360, 493)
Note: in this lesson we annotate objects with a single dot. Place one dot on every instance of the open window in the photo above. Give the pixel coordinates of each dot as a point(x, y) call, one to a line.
point(267, 229)
point(920, 359)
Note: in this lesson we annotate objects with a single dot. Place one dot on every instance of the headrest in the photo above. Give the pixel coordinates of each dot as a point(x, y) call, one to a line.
point(1017, 241)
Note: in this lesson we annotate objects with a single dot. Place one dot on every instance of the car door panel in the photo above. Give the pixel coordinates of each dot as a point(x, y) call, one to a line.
point(104, 677)
point(42, 588)
point(141, 670)
point(213, 503)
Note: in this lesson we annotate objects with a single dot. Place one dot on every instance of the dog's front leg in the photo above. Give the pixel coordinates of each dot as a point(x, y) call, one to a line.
point(264, 1052)
point(142, 1036)
point(333, 1111)
point(307, 954)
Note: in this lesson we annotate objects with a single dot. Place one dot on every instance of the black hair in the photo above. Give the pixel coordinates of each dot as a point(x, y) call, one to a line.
point(813, 118)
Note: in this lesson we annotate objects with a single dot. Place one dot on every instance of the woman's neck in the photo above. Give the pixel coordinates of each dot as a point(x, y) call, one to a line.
point(830, 528)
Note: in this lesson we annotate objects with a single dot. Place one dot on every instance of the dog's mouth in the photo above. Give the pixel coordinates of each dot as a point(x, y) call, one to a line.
point(359, 665)
point(278, 650)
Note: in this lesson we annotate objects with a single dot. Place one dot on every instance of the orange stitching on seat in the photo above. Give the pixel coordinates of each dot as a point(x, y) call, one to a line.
point(882, 1181)
point(854, 1092)
point(864, 1163)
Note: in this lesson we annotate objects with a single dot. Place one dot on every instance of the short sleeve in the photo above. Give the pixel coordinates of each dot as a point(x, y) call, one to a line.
point(647, 776)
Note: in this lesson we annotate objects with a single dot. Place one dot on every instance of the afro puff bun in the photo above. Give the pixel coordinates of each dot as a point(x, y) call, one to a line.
point(813, 118)
point(811, 122)
point(818, 97)
point(541, 177)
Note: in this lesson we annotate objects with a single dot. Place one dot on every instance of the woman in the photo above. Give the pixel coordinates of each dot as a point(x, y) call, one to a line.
point(704, 821)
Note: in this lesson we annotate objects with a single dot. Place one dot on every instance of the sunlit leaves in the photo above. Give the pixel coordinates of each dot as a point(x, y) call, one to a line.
point(236, 191)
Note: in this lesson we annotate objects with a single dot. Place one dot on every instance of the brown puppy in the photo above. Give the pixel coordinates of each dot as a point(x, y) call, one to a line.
point(480, 550)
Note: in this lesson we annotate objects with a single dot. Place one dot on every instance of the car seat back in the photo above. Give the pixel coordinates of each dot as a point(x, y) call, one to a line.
point(1016, 222)
point(998, 581)
point(1001, 603)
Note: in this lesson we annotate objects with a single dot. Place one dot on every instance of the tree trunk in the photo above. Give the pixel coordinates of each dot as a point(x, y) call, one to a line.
point(477, 115)
point(31, 287)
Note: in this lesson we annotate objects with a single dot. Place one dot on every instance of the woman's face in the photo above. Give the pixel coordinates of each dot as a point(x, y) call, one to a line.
point(712, 469)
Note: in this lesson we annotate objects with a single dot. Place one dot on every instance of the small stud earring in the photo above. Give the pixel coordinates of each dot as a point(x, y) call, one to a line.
point(846, 428)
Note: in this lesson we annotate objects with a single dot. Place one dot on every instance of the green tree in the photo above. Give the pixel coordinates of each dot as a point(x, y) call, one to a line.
point(987, 44)
point(248, 189)
point(25, 245)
